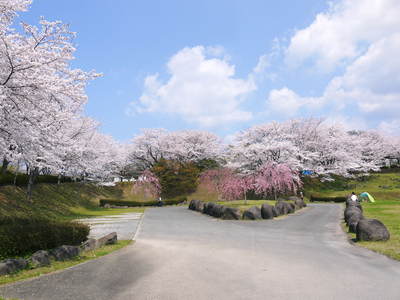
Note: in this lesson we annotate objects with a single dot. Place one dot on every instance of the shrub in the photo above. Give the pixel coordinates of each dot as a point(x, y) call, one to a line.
point(172, 201)
point(176, 178)
point(327, 199)
point(175, 201)
point(22, 179)
point(21, 236)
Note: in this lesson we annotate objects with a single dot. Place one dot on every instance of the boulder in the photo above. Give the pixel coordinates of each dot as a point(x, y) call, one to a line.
point(107, 205)
point(208, 208)
point(108, 239)
point(217, 210)
point(353, 221)
point(65, 252)
point(371, 230)
point(231, 213)
point(292, 208)
point(196, 205)
point(12, 265)
point(299, 204)
point(351, 210)
point(267, 211)
point(275, 212)
point(40, 258)
point(294, 198)
point(282, 207)
point(352, 203)
point(253, 213)
point(199, 206)
point(192, 204)
point(89, 245)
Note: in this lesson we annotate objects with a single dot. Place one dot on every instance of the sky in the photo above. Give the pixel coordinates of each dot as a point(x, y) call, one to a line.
point(226, 65)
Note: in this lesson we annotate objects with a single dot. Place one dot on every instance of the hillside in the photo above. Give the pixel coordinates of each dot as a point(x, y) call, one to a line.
point(68, 200)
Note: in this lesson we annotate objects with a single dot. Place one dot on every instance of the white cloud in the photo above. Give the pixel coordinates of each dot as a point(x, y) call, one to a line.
point(262, 65)
point(363, 37)
point(287, 103)
point(200, 89)
point(372, 81)
point(341, 34)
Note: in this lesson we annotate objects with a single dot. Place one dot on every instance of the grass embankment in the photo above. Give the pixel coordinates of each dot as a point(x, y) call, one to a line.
point(64, 201)
point(59, 265)
point(244, 205)
point(385, 188)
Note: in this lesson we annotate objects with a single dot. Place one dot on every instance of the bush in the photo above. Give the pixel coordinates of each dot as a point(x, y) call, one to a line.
point(327, 199)
point(175, 201)
point(22, 179)
point(21, 236)
point(176, 178)
point(172, 201)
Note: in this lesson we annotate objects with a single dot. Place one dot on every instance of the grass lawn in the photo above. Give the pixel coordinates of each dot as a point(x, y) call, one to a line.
point(388, 212)
point(82, 212)
point(385, 188)
point(59, 265)
point(243, 205)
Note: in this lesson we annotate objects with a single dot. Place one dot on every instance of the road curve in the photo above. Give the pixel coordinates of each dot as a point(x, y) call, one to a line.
point(181, 254)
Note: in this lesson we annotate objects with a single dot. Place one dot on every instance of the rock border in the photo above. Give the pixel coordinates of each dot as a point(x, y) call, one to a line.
point(364, 228)
point(43, 258)
point(266, 211)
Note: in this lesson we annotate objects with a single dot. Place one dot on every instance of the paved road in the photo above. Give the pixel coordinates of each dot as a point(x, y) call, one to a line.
point(124, 225)
point(181, 254)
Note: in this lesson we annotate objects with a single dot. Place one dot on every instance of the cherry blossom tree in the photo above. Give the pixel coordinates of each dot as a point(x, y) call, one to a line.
point(236, 186)
point(39, 93)
point(148, 183)
point(308, 144)
point(148, 148)
point(274, 178)
point(214, 180)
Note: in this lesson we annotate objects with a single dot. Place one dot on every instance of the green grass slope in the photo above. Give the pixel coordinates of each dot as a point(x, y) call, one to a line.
point(64, 201)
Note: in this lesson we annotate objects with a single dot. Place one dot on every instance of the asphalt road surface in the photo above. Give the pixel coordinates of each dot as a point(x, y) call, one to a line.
point(124, 225)
point(181, 254)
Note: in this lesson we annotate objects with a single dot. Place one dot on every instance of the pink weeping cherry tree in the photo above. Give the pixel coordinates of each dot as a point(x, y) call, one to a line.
point(237, 186)
point(227, 183)
point(276, 179)
point(214, 180)
point(149, 184)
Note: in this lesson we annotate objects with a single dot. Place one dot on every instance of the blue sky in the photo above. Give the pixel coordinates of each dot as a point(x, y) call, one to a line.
point(205, 55)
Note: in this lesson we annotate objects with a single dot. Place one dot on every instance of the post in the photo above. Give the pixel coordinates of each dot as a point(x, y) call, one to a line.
point(33, 172)
point(4, 166)
point(16, 173)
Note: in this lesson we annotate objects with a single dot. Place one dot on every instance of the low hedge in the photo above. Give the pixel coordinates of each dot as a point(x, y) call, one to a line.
point(22, 236)
point(116, 202)
point(327, 199)
point(22, 179)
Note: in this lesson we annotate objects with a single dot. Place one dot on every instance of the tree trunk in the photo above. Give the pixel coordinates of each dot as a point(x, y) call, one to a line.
point(4, 166)
point(31, 180)
point(275, 194)
point(59, 179)
point(16, 173)
point(245, 198)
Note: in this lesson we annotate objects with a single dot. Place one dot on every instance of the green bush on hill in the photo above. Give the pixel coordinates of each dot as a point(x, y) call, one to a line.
point(327, 199)
point(22, 179)
point(176, 178)
point(22, 236)
point(116, 202)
